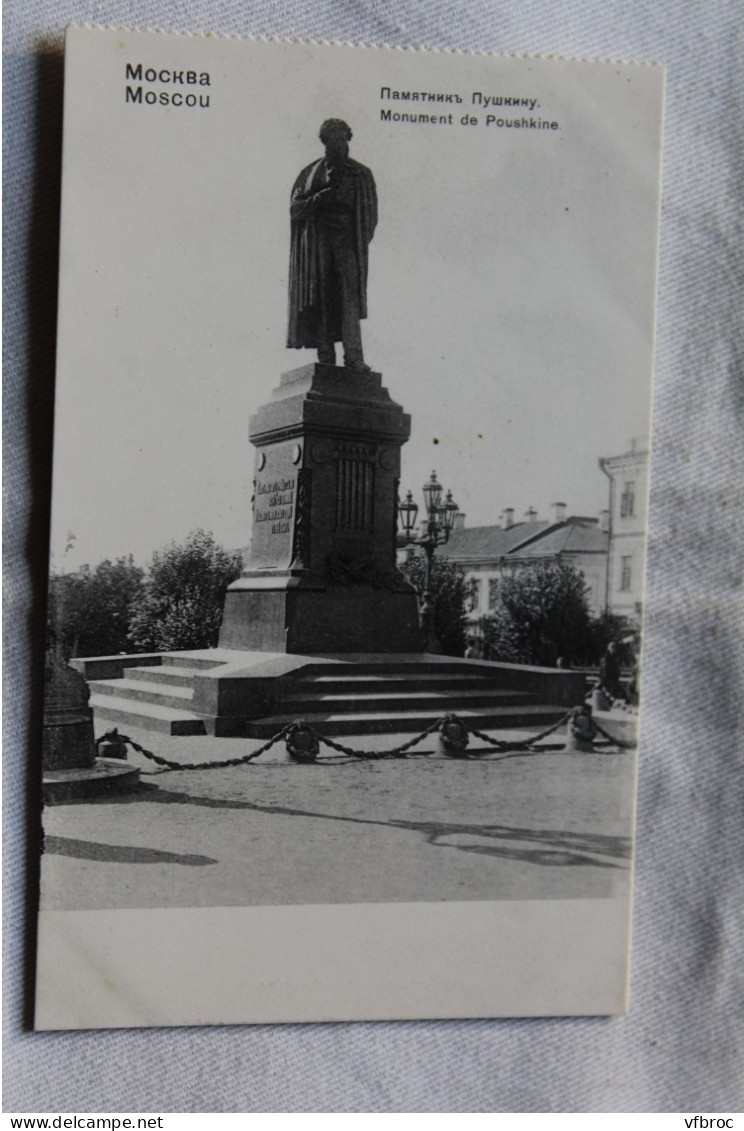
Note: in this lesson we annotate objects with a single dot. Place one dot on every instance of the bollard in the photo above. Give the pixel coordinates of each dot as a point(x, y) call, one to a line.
point(580, 732)
point(453, 737)
point(600, 702)
point(111, 746)
point(302, 745)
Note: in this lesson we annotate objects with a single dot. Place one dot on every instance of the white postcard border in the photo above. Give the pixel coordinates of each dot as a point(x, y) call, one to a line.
point(232, 965)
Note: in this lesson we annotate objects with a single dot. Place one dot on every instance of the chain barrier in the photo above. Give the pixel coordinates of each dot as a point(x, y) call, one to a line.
point(303, 740)
point(526, 743)
point(123, 738)
point(376, 755)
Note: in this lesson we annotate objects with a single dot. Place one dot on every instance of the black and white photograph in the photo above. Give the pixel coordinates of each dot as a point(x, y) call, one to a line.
point(349, 525)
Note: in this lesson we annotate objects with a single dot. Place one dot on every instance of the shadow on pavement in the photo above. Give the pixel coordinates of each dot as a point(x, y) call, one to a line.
point(554, 847)
point(119, 854)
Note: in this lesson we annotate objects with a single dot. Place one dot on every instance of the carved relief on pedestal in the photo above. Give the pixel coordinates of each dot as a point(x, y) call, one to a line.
point(355, 486)
point(358, 569)
point(301, 541)
point(389, 458)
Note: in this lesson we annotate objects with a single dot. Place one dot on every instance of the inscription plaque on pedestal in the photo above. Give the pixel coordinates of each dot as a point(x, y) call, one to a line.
point(274, 507)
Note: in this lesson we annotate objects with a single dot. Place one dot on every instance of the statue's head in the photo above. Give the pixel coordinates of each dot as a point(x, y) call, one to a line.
point(335, 135)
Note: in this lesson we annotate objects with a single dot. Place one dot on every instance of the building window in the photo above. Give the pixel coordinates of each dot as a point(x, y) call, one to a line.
point(474, 596)
point(493, 592)
point(627, 501)
point(625, 573)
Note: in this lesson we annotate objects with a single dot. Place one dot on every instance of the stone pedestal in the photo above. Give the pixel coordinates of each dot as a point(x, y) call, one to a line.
point(322, 577)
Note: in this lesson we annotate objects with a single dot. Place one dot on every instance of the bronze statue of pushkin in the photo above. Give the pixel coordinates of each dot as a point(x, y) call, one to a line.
point(333, 214)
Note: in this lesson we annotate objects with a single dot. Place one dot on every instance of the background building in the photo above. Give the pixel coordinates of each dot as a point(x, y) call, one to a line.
point(489, 553)
point(628, 507)
point(609, 550)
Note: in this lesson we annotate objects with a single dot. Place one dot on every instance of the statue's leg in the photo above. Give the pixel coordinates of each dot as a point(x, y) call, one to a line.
point(327, 355)
point(351, 329)
point(326, 341)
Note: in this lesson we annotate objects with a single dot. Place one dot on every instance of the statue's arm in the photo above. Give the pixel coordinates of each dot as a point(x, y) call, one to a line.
point(370, 190)
point(303, 204)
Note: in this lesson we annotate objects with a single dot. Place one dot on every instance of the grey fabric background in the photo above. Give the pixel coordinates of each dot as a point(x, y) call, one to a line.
point(680, 1049)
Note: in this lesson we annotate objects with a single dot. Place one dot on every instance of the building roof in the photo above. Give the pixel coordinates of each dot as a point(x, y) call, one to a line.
point(569, 537)
point(526, 540)
point(488, 542)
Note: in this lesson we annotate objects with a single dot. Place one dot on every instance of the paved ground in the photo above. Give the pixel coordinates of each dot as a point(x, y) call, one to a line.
point(535, 826)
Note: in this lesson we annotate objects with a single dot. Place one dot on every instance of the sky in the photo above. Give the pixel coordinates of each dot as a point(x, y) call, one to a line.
point(511, 286)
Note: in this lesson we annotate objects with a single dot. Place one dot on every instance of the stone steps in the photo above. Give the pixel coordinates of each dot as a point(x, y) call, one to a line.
point(160, 694)
point(200, 661)
point(367, 683)
point(443, 700)
point(401, 682)
point(405, 722)
point(334, 695)
point(149, 716)
point(164, 673)
point(392, 667)
point(339, 695)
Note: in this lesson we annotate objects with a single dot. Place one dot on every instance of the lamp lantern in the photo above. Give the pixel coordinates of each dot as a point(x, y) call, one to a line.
point(407, 513)
point(436, 531)
point(449, 514)
point(432, 494)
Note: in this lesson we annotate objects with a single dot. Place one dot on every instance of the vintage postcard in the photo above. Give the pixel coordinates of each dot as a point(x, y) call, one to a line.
point(350, 490)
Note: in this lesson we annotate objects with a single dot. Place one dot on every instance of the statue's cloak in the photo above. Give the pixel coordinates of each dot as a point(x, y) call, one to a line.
point(304, 265)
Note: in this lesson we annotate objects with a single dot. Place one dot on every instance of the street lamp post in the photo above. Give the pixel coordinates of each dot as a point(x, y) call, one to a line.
point(440, 519)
